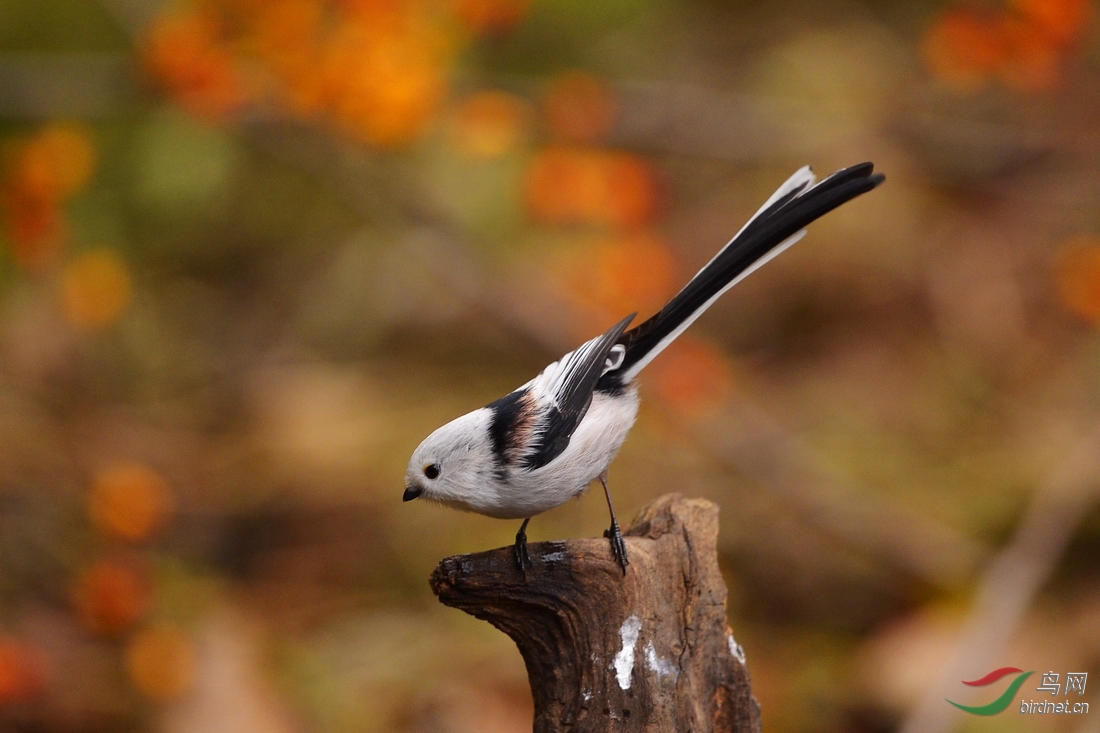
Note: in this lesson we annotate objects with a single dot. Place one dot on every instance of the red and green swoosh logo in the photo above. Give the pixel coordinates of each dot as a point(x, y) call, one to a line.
point(1006, 697)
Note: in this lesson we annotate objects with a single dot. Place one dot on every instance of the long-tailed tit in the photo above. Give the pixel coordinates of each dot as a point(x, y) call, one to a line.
point(544, 443)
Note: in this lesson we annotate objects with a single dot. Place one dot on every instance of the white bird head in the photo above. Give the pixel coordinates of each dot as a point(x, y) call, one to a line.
point(453, 464)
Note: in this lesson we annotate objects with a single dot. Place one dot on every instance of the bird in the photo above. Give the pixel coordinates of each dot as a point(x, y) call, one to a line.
point(547, 441)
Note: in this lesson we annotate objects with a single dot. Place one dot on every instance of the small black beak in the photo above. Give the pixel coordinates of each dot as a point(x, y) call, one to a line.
point(412, 491)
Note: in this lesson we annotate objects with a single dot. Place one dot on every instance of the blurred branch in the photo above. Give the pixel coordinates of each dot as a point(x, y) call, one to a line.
point(1013, 579)
point(753, 443)
point(131, 16)
point(697, 121)
point(379, 186)
point(40, 86)
point(681, 119)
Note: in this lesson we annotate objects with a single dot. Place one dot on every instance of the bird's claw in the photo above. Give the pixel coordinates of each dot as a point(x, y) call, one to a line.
point(618, 545)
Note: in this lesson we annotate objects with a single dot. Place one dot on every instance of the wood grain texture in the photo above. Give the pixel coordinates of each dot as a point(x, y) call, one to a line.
point(651, 651)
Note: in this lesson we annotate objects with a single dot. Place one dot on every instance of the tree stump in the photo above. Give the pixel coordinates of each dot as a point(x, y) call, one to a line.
point(648, 651)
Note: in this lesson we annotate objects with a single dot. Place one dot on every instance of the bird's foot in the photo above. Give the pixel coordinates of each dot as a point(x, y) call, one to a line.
point(523, 556)
point(618, 546)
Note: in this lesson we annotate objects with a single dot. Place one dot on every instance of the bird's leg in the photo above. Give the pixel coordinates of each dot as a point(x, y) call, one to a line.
point(613, 533)
point(523, 557)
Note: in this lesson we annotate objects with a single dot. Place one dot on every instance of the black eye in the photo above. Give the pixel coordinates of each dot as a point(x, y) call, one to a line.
point(432, 470)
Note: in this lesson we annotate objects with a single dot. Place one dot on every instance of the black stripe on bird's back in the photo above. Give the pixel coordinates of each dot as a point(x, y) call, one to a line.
point(512, 420)
point(555, 431)
point(768, 230)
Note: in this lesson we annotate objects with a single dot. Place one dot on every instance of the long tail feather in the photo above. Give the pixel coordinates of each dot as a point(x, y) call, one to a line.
point(777, 225)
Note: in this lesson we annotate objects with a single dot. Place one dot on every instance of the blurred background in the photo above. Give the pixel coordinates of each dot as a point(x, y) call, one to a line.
point(253, 251)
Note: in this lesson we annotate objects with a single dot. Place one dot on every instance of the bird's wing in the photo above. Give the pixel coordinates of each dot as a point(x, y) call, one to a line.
point(565, 388)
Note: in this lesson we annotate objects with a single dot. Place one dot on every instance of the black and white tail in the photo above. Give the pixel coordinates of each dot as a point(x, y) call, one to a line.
point(779, 223)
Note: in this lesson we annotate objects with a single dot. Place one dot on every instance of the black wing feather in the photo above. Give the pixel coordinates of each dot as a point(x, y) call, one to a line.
point(572, 397)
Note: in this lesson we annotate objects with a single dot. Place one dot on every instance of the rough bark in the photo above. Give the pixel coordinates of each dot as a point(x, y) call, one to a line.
point(651, 651)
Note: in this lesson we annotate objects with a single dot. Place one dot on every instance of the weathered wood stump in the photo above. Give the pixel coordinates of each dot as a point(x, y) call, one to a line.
point(650, 651)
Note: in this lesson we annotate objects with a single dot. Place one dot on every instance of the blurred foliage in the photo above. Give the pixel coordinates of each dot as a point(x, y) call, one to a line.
point(254, 250)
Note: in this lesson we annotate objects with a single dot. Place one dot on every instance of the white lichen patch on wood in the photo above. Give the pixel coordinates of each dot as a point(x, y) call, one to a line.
point(624, 660)
point(661, 666)
point(736, 650)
